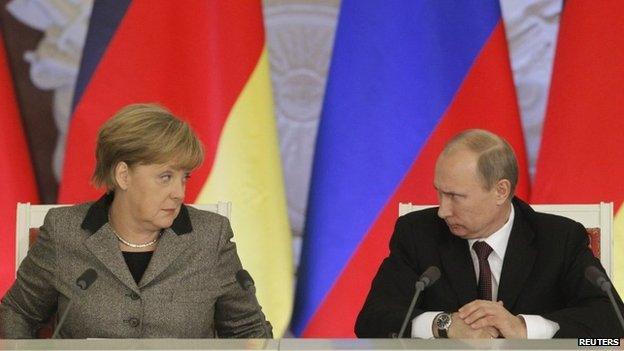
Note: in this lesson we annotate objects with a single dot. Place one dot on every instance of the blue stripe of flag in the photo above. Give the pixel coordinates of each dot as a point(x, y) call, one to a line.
point(105, 18)
point(395, 69)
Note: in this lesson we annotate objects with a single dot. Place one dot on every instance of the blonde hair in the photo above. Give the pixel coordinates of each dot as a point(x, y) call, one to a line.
point(144, 134)
point(496, 159)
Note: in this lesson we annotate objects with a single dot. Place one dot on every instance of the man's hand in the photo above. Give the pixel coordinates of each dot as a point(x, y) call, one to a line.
point(460, 330)
point(482, 314)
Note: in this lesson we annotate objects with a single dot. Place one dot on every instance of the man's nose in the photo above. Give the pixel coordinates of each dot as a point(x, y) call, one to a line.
point(444, 211)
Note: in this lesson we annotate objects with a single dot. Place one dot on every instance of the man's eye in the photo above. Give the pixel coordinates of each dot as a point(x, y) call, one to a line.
point(166, 177)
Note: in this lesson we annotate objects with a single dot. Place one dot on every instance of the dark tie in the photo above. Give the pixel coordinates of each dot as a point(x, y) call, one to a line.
point(483, 250)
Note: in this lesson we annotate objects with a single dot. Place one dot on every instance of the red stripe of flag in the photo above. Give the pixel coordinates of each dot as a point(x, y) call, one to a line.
point(194, 59)
point(582, 153)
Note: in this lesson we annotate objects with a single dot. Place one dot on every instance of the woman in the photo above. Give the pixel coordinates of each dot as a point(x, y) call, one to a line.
point(164, 270)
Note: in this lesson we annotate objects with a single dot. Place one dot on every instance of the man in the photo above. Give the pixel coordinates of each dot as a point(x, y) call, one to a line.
point(507, 271)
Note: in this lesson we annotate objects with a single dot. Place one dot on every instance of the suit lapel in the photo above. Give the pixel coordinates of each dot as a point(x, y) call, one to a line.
point(104, 246)
point(458, 267)
point(518, 262)
point(170, 246)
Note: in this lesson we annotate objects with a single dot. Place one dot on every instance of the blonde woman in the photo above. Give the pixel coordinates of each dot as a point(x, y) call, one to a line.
point(164, 270)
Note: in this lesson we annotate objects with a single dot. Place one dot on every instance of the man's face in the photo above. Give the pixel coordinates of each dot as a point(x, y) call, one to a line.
point(468, 208)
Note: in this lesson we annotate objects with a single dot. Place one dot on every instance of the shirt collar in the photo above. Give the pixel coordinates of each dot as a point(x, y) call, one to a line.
point(97, 216)
point(498, 240)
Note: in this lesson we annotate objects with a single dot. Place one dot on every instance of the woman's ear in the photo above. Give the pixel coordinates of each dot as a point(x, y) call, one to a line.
point(122, 176)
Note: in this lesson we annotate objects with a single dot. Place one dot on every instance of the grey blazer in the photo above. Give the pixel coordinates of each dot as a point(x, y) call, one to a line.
point(188, 290)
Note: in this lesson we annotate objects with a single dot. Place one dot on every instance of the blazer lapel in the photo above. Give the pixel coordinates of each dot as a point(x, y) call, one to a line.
point(105, 248)
point(458, 268)
point(170, 246)
point(518, 262)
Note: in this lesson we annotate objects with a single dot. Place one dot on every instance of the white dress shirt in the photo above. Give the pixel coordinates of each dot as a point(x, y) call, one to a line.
point(537, 327)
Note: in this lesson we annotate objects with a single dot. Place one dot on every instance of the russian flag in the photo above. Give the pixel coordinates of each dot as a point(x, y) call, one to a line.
point(581, 158)
point(405, 77)
point(207, 62)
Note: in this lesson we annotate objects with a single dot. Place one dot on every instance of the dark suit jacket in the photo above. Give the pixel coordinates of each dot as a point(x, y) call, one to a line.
point(188, 290)
point(542, 274)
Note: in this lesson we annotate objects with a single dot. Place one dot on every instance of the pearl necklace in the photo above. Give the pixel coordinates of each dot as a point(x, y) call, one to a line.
point(135, 246)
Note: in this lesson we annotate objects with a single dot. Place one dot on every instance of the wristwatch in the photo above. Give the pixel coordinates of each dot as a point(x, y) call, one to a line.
point(442, 322)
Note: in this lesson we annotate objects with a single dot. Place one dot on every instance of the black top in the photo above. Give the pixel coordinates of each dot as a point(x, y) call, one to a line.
point(137, 263)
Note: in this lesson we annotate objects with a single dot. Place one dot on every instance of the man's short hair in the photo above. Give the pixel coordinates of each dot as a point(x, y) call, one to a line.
point(496, 159)
point(144, 134)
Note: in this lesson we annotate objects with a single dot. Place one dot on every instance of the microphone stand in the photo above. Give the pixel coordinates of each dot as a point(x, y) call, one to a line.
point(598, 278)
point(62, 320)
point(83, 282)
point(609, 292)
point(420, 286)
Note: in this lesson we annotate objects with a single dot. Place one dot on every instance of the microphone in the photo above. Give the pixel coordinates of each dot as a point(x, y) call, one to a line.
point(246, 283)
point(428, 278)
point(598, 278)
point(84, 281)
point(244, 280)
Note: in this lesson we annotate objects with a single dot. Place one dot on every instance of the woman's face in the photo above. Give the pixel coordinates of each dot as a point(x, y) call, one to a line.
point(155, 194)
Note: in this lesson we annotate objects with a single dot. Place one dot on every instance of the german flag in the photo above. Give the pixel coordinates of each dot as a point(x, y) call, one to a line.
point(207, 62)
point(17, 181)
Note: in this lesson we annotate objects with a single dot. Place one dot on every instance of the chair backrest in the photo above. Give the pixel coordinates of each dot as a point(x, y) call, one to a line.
point(30, 218)
point(597, 219)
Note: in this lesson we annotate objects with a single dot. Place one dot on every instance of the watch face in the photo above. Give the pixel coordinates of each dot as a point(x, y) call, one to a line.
point(443, 321)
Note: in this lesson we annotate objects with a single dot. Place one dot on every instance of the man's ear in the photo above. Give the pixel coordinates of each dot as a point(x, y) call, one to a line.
point(503, 190)
point(122, 175)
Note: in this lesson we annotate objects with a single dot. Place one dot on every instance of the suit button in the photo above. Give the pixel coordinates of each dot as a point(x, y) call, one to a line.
point(134, 296)
point(134, 322)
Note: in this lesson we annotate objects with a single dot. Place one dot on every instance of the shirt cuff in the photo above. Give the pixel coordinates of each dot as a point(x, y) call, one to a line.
point(539, 327)
point(422, 324)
